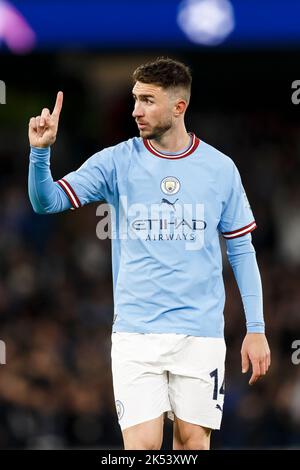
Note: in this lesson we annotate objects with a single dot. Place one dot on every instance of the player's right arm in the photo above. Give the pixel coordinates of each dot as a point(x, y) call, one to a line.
point(93, 181)
point(43, 129)
point(44, 194)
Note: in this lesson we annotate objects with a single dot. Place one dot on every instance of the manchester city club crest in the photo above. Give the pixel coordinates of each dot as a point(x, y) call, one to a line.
point(170, 185)
point(120, 409)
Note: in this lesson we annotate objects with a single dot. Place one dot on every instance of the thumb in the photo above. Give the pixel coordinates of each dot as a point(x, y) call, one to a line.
point(245, 363)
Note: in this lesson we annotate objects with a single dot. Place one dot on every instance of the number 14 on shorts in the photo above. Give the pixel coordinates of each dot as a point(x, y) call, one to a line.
point(217, 391)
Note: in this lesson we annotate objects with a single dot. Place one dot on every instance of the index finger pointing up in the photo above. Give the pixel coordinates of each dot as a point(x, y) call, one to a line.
point(58, 104)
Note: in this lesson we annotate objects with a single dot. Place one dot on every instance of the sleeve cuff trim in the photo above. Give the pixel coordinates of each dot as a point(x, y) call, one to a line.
point(241, 231)
point(70, 193)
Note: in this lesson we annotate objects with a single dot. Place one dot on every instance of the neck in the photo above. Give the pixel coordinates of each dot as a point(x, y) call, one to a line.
point(173, 140)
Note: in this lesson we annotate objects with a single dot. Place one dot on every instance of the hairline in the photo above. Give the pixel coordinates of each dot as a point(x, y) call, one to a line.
point(174, 88)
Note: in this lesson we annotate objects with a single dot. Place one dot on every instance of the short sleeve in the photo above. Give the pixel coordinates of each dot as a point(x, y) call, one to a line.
point(93, 181)
point(237, 218)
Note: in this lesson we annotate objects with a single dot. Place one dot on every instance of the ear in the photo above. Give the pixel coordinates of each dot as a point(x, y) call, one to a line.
point(180, 107)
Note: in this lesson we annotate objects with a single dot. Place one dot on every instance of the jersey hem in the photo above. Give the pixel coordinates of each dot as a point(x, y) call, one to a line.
point(169, 331)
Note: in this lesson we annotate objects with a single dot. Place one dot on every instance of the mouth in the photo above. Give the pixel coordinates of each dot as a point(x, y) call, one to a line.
point(141, 125)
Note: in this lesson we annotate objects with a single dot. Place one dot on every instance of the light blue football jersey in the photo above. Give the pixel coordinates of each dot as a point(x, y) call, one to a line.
point(167, 214)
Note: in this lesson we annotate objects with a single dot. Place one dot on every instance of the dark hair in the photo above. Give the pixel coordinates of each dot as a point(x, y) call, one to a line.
point(164, 72)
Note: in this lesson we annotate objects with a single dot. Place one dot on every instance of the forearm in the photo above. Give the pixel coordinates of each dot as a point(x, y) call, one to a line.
point(45, 195)
point(241, 255)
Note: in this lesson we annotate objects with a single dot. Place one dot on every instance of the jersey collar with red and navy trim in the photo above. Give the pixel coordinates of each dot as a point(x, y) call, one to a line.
point(194, 144)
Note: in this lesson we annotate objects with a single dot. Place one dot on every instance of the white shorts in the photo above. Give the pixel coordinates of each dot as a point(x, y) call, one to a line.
point(181, 374)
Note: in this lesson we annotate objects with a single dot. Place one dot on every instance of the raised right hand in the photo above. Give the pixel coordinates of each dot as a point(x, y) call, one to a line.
point(43, 129)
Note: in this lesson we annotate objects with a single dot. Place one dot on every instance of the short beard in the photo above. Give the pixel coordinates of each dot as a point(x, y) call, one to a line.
point(158, 131)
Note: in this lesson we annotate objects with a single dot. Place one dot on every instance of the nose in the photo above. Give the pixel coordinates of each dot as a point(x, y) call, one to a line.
point(137, 110)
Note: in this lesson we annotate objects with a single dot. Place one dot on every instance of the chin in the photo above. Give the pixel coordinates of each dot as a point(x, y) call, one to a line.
point(145, 134)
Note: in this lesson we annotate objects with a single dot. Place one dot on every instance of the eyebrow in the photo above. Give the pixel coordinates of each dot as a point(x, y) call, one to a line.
point(143, 96)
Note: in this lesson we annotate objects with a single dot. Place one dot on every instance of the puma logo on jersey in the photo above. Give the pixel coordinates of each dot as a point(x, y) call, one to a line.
point(164, 200)
point(219, 407)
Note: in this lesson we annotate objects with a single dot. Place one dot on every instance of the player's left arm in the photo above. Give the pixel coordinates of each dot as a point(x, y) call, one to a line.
point(236, 224)
point(255, 348)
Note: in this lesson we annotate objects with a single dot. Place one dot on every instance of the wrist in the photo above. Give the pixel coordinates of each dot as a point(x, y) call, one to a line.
point(41, 154)
point(256, 330)
point(39, 150)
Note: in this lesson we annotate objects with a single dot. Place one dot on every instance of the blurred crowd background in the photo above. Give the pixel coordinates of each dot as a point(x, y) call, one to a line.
point(56, 305)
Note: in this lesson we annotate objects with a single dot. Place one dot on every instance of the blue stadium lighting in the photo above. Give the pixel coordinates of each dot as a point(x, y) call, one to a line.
point(207, 22)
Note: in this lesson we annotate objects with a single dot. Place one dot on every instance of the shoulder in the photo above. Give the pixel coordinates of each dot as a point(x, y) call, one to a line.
point(218, 159)
point(222, 167)
point(126, 147)
point(118, 154)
